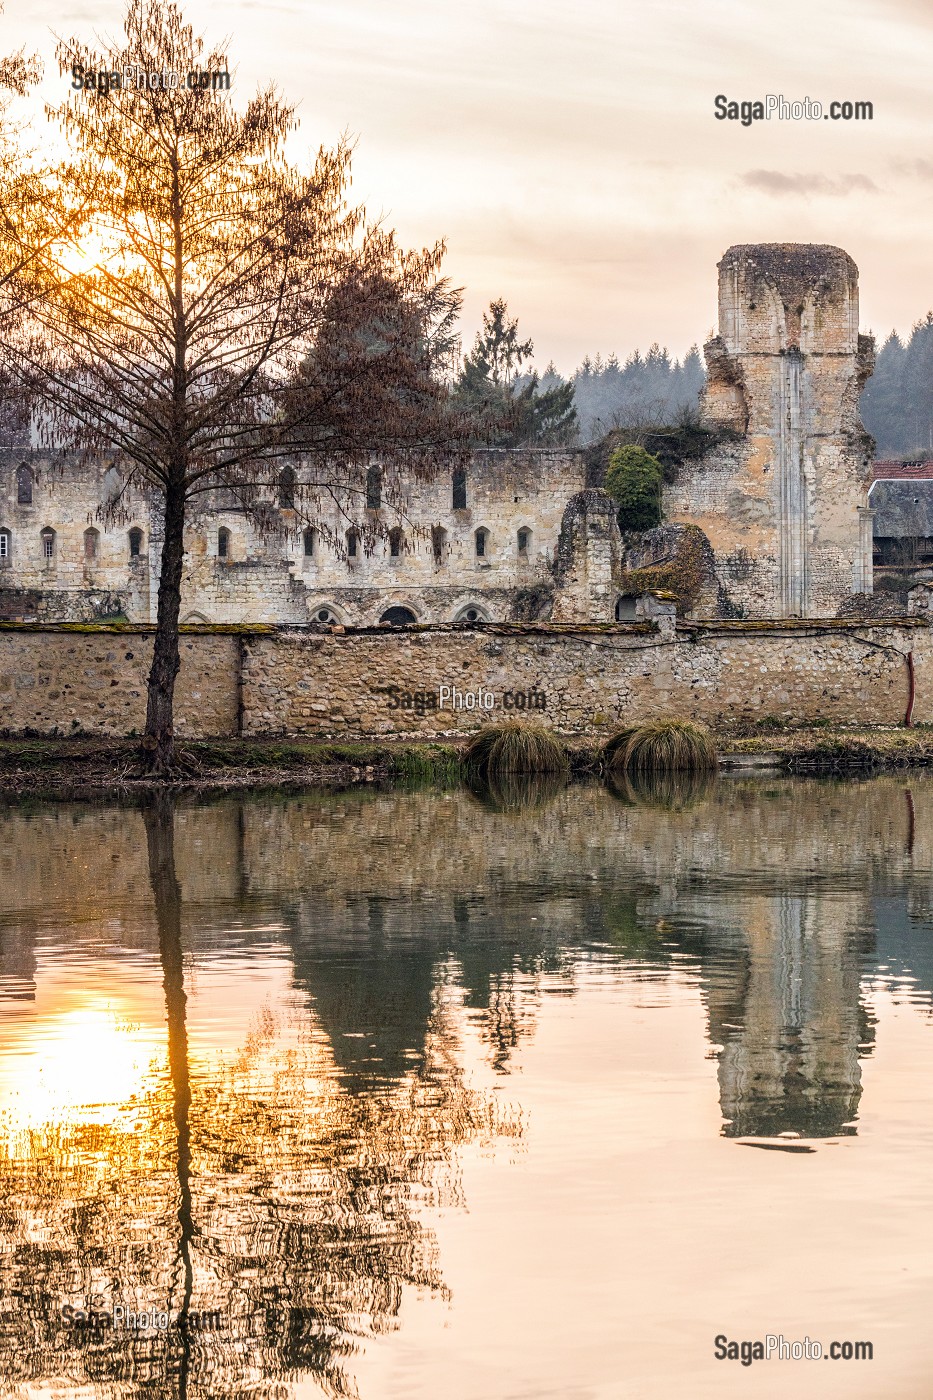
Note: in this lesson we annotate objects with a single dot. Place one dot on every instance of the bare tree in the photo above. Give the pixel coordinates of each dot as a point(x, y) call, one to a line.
point(25, 200)
point(241, 314)
point(19, 185)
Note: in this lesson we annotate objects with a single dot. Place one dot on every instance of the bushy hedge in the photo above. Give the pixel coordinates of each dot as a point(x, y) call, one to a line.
point(633, 479)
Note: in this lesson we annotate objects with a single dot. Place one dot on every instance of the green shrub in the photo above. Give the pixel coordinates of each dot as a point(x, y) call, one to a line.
point(661, 746)
point(514, 746)
point(633, 479)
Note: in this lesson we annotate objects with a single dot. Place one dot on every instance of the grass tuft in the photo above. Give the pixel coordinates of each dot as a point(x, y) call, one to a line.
point(661, 746)
point(514, 746)
point(425, 764)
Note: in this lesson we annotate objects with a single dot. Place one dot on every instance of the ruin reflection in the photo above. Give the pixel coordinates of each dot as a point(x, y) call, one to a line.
point(269, 1168)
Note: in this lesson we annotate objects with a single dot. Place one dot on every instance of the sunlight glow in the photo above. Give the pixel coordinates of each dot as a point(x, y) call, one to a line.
point(89, 1058)
point(86, 254)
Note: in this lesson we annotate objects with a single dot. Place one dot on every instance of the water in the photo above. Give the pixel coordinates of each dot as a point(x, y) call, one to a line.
point(525, 1094)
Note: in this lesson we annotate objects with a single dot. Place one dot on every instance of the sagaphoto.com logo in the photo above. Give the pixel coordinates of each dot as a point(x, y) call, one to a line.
point(776, 107)
point(135, 78)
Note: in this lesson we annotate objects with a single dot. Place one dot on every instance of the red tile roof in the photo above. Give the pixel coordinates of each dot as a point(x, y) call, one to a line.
point(902, 471)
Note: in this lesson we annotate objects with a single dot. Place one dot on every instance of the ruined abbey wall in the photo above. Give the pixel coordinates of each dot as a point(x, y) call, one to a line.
point(783, 500)
point(515, 500)
point(424, 683)
point(63, 556)
point(485, 550)
point(514, 535)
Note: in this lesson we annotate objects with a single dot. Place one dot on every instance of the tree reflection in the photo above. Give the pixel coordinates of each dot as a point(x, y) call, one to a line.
point(260, 1195)
point(159, 819)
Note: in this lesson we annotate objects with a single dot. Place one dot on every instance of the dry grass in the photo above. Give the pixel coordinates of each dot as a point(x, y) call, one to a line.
point(661, 746)
point(514, 746)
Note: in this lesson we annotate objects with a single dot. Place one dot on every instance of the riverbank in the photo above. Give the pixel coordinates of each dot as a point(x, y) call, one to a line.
point(84, 765)
point(80, 766)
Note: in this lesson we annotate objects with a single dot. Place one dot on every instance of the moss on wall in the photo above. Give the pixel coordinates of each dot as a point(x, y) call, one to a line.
point(682, 575)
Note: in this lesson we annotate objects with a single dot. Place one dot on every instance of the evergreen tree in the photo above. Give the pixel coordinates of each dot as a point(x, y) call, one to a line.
point(513, 410)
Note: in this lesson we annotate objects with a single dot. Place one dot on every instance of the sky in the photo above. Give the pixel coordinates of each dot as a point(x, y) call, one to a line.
point(570, 154)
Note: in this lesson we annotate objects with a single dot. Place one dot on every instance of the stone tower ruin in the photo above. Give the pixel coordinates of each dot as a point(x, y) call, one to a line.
point(783, 494)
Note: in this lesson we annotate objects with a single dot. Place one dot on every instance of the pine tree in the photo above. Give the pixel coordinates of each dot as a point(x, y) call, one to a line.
point(513, 409)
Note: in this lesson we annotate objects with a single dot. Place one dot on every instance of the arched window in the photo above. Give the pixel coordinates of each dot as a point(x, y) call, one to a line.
point(395, 542)
point(223, 543)
point(459, 489)
point(524, 541)
point(353, 544)
point(471, 613)
point(23, 485)
point(308, 540)
point(438, 544)
point(48, 544)
point(136, 542)
point(112, 485)
point(91, 545)
point(482, 543)
point(326, 617)
point(373, 488)
point(287, 489)
point(6, 549)
point(398, 617)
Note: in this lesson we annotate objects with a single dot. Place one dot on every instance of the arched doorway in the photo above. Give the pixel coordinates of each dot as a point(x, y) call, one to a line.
point(398, 617)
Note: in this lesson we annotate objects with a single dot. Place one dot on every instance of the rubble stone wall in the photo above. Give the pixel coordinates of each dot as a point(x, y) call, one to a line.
point(92, 680)
point(448, 680)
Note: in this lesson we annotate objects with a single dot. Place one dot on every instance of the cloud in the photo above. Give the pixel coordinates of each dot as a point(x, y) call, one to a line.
point(920, 169)
point(777, 183)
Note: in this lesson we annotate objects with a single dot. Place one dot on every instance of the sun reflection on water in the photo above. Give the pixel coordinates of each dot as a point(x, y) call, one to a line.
point(89, 1060)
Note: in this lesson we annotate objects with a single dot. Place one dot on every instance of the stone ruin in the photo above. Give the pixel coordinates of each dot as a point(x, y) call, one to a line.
point(772, 520)
point(783, 495)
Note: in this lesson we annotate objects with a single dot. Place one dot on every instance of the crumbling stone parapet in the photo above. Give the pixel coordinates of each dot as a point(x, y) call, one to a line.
point(588, 559)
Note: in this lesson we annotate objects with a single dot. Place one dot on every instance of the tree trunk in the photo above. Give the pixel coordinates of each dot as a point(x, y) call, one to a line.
point(159, 821)
point(159, 743)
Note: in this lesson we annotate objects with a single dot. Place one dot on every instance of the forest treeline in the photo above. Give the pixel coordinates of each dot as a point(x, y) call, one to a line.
point(650, 389)
point(653, 390)
point(897, 402)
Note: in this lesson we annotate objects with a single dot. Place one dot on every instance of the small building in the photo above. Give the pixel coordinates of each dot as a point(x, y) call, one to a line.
point(901, 499)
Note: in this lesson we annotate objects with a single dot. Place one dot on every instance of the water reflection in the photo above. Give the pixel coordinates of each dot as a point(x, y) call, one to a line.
point(516, 792)
point(672, 791)
point(269, 1000)
point(159, 819)
point(268, 1218)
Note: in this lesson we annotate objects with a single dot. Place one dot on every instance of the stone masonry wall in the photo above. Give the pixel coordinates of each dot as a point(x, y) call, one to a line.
point(63, 680)
point(592, 678)
point(437, 574)
point(380, 683)
point(784, 503)
point(67, 554)
point(79, 542)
